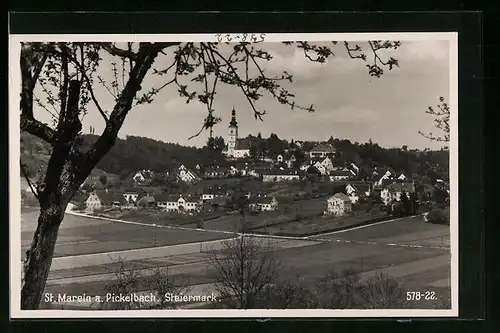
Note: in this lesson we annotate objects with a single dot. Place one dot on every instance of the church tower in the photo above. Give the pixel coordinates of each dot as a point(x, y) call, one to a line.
point(233, 134)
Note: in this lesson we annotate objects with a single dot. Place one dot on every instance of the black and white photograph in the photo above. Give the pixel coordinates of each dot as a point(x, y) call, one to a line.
point(234, 175)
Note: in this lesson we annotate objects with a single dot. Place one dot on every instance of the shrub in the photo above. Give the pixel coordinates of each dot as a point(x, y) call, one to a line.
point(438, 216)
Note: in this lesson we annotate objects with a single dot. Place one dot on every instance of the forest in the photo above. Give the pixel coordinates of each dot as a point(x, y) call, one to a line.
point(137, 153)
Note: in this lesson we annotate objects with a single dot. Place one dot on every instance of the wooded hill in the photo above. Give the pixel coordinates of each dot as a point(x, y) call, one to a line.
point(136, 153)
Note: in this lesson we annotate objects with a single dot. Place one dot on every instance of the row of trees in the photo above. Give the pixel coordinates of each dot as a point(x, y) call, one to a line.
point(136, 153)
point(246, 273)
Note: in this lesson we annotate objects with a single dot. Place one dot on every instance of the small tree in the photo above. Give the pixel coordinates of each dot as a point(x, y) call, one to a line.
point(288, 294)
point(382, 292)
point(162, 283)
point(439, 196)
point(244, 267)
point(339, 290)
point(128, 280)
point(441, 116)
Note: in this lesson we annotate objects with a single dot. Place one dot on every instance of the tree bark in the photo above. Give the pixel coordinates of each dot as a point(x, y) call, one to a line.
point(40, 255)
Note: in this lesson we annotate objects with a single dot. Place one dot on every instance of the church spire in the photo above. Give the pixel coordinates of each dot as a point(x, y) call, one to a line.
point(233, 122)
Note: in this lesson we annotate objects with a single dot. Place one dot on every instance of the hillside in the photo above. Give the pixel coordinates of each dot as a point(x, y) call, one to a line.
point(136, 153)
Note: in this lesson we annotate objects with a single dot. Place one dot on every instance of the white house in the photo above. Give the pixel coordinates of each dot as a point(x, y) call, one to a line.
point(354, 167)
point(143, 177)
point(178, 203)
point(328, 164)
point(386, 176)
point(280, 175)
point(393, 192)
point(338, 205)
point(131, 196)
point(207, 196)
point(93, 202)
point(291, 161)
point(186, 175)
point(355, 191)
point(215, 172)
point(338, 175)
point(322, 150)
point(264, 203)
point(321, 168)
point(401, 177)
point(104, 199)
point(279, 158)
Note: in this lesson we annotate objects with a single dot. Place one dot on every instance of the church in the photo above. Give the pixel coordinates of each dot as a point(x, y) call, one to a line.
point(236, 148)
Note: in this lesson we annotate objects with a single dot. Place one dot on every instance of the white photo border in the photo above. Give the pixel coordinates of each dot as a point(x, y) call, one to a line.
point(15, 190)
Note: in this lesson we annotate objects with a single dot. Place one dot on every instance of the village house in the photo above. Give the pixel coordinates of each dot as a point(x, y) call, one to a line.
point(322, 150)
point(386, 176)
point(178, 203)
point(338, 205)
point(277, 175)
point(256, 169)
point(356, 191)
point(263, 203)
point(237, 170)
point(101, 199)
point(305, 165)
point(143, 177)
point(354, 168)
point(291, 161)
point(186, 175)
point(207, 196)
point(215, 172)
point(146, 201)
point(393, 192)
point(338, 175)
point(236, 147)
point(131, 196)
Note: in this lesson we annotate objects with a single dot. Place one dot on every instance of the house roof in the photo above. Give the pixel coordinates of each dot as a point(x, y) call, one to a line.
point(313, 169)
point(361, 187)
point(340, 196)
point(108, 197)
point(279, 172)
point(191, 198)
point(401, 187)
point(147, 199)
point(324, 147)
point(147, 174)
point(340, 173)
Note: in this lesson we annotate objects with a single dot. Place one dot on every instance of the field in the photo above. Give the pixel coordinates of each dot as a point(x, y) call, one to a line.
point(415, 253)
point(80, 235)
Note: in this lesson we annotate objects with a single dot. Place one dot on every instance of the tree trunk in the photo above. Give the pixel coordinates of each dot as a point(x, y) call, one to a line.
point(40, 255)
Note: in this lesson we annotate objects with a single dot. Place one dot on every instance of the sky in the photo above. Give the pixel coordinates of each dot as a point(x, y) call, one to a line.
point(349, 103)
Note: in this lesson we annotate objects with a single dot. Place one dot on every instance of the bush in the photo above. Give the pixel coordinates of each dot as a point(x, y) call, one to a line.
point(438, 216)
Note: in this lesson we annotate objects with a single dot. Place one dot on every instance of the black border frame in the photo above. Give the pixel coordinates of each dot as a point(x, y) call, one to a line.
point(471, 141)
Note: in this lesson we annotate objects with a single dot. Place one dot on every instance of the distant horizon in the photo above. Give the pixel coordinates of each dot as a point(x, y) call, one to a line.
point(282, 138)
point(348, 102)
